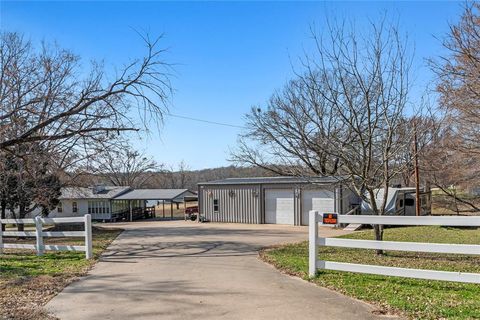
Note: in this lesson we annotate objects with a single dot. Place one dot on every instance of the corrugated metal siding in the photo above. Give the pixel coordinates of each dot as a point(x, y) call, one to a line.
point(236, 203)
point(247, 202)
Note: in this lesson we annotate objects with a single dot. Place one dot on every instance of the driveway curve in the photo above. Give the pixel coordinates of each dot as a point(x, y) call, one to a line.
point(185, 270)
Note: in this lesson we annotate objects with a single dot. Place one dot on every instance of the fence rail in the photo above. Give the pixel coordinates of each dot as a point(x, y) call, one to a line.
point(316, 218)
point(39, 234)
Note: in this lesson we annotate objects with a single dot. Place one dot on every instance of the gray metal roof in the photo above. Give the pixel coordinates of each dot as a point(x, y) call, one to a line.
point(107, 192)
point(276, 180)
point(155, 194)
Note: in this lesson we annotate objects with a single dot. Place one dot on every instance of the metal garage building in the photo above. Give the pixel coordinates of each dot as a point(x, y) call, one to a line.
point(280, 200)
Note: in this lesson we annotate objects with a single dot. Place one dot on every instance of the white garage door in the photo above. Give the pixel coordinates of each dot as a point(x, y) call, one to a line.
point(321, 200)
point(279, 206)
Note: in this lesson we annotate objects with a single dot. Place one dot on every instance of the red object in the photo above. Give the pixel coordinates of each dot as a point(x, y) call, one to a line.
point(330, 218)
point(191, 210)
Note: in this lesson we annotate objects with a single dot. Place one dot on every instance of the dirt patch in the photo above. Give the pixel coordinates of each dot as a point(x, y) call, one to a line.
point(24, 298)
point(28, 282)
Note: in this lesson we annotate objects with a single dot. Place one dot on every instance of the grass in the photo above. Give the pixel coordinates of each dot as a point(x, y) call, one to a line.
point(27, 281)
point(442, 204)
point(416, 299)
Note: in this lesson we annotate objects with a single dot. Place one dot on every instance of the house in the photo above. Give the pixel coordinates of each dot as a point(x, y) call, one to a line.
point(400, 201)
point(111, 203)
point(97, 201)
point(278, 200)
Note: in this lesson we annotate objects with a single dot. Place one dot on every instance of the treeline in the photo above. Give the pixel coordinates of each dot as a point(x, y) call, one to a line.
point(177, 179)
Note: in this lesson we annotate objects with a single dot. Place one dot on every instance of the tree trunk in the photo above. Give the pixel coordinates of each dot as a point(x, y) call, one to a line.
point(378, 236)
point(21, 215)
point(3, 214)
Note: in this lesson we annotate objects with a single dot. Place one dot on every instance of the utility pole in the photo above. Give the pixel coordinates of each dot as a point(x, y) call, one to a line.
point(417, 175)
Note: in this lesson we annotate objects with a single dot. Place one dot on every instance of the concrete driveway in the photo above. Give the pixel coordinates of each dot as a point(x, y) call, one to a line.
point(185, 270)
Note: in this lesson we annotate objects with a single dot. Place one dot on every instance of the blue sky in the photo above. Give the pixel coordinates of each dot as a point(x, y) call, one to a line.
point(229, 56)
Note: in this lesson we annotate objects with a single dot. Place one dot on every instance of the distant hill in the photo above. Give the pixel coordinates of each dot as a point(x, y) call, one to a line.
point(177, 179)
point(189, 179)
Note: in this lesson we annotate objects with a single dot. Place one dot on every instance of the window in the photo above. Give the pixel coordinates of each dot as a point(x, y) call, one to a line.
point(215, 205)
point(59, 208)
point(409, 202)
point(74, 207)
point(101, 207)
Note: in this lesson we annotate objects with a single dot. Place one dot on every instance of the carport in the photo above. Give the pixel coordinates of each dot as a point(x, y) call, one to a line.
point(165, 195)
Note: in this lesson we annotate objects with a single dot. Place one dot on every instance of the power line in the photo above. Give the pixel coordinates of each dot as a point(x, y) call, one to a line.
point(205, 121)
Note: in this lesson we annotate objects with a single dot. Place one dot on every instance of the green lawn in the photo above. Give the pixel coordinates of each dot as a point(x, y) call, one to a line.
point(27, 282)
point(417, 299)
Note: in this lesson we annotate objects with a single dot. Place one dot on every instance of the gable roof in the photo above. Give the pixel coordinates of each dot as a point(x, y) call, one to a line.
point(155, 194)
point(276, 180)
point(107, 192)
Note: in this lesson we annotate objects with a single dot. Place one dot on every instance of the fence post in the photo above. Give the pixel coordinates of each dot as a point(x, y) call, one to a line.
point(88, 237)
point(312, 243)
point(39, 235)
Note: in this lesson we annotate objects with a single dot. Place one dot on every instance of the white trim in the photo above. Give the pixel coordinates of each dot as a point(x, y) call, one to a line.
point(400, 272)
point(62, 220)
point(43, 220)
point(78, 234)
point(39, 234)
point(401, 246)
point(64, 247)
point(462, 221)
point(312, 243)
point(19, 233)
point(17, 221)
point(314, 264)
point(18, 246)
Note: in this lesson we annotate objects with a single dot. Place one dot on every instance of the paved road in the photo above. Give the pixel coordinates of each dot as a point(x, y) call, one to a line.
point(184, 270)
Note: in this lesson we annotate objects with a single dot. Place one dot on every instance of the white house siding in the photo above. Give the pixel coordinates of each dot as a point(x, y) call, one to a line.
point(67, 209)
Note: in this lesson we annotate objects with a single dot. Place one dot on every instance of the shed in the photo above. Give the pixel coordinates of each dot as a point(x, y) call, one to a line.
point(278, 200)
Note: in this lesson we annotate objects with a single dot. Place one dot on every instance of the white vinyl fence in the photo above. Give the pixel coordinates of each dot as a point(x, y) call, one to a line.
point(39, 234)
point(314, 242)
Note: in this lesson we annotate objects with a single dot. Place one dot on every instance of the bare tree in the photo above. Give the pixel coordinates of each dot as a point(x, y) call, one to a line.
point(176, 177)
point(28, 181)
point(293, 133)
point(124, 166)
point(43, 96)
point(345, 113)
point(459, 84)
point(456, 161)
point(452, 170)
point(182, 172)
point(47, 103)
